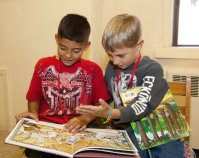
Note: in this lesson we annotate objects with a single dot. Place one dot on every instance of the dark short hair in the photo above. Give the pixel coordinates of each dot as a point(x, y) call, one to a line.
point(74, 27)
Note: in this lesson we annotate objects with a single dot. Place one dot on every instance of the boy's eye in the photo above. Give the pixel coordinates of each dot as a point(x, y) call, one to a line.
point(121, 56)
point(73, 50)
point(76, 51)
point(62, 48)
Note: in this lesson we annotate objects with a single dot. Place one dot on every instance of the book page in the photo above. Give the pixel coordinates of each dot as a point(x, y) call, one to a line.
point(52, 138)
point(107, 140)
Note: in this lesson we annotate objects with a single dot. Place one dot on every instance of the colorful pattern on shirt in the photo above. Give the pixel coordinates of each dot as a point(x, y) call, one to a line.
point(60, 89)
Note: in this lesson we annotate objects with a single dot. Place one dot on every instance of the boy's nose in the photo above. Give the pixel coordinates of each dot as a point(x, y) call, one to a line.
point(68, 53)
point(115, 62)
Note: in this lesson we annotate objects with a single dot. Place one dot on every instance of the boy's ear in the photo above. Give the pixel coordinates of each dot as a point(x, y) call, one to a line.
point(139, 47)
point(87, 45)
point(56, 37)
point(141, 43)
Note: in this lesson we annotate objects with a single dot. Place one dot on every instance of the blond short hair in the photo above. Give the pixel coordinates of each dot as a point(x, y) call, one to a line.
point(122, 31)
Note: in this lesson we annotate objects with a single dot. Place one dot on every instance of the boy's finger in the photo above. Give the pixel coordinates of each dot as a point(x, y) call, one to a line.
point(70, 124)
point(82, 128)
point(69, 127)
point(75, 128)
point(20, 116)
point(66, 125)
point(86, 110)
point(103, 103)
point(33, 117)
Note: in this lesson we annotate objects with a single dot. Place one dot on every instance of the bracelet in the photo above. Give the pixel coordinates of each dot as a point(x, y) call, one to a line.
point(109, 116)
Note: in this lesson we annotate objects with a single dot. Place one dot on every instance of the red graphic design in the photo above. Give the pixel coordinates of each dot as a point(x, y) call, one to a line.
point(64, 99)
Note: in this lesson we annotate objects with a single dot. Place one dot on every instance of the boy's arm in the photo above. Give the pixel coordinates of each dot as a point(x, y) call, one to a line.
point(103, 110)
point(33, 108)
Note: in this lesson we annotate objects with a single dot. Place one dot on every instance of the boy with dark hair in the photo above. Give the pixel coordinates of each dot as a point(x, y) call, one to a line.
point(63, 82)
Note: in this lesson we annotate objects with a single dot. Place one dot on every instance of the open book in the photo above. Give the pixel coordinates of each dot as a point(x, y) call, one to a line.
point(52, 138)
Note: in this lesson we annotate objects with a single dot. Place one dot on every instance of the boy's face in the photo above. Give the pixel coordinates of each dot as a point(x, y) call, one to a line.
point(70, 51)
point(123, 58)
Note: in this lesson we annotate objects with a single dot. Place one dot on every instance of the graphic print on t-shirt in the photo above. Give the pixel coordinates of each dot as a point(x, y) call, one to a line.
point(140, 105)
point(122, 85)
point(63, 91)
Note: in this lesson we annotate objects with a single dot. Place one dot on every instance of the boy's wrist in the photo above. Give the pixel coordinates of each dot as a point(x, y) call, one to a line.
point(86, 118)
point(110, 113)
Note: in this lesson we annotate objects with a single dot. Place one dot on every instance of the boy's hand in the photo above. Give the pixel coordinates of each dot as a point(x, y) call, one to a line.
point(98, 111)
point(26, 114)
point(75, 124)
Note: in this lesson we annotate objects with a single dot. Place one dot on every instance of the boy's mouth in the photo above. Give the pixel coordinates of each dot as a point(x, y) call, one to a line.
point(67, 62)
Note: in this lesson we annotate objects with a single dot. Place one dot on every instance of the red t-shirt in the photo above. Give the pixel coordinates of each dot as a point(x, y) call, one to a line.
point(60, 89)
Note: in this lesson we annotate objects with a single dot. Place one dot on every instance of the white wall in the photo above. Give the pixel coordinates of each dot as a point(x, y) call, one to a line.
point(27, 33)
